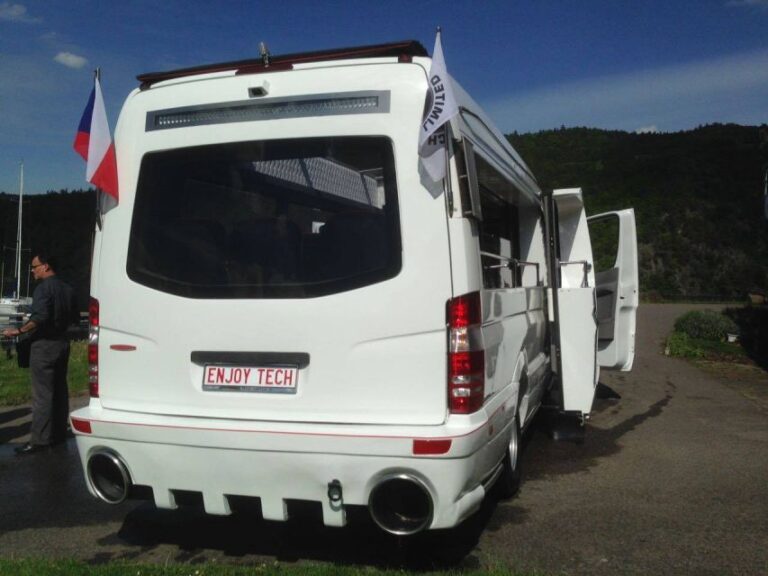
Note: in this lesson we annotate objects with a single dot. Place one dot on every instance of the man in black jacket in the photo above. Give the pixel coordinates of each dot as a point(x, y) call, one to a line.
point(52, 312)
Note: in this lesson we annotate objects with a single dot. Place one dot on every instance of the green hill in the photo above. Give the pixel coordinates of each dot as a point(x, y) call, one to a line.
point(698, 198)
point(59, 221)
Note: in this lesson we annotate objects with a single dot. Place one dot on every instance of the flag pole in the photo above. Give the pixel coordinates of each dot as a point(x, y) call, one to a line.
point(448, 133)
point(18, 230)
point(97, 78)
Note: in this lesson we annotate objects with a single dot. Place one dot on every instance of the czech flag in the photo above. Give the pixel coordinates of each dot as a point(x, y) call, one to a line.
point(94, 143)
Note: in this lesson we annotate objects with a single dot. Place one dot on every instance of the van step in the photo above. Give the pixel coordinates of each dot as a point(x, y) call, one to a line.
point(566, 428)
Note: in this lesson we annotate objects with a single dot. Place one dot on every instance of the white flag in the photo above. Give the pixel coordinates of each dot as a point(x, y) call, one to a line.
point(441, 107)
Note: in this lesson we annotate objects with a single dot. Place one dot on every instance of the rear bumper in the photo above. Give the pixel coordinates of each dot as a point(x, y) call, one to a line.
point(276, 462)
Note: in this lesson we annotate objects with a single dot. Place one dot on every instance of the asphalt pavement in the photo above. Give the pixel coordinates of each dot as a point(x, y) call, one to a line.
point(671, 478)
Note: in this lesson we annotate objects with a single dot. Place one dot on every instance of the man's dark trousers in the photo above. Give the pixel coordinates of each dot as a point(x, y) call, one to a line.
point(50, 397)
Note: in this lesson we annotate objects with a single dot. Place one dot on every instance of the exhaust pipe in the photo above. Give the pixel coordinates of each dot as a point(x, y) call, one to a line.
point(108, 476)
point(401, 504)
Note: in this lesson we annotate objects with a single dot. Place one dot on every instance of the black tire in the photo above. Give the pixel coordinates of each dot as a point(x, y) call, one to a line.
point(511, 474)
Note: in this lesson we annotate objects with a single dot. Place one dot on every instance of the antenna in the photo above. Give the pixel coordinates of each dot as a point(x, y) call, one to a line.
point(264, 51)
point(18, 230)
point(97, 76)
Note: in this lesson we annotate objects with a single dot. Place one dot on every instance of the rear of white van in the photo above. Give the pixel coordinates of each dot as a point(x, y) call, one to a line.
point(269, 303)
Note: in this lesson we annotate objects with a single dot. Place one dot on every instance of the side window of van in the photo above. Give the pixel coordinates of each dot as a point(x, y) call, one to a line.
point(270, 219)
point(498, 223)
point(499, 240)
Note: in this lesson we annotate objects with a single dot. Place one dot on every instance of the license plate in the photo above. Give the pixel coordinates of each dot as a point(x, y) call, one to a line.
point(269, 379)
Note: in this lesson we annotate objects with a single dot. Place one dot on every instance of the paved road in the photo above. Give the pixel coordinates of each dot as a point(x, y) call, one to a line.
point(671, 479)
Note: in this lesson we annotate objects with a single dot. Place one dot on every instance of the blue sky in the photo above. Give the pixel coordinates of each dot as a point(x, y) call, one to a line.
point(633, 65)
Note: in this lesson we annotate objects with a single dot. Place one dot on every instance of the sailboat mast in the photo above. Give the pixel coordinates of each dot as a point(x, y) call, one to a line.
point(18, 232)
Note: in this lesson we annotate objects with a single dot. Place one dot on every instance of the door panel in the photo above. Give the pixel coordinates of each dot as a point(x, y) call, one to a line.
point(574, 301)
point(577, 348)
point(595, 294)
point(618, 295)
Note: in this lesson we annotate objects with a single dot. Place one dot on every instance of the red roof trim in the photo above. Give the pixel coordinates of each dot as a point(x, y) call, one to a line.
point(399, 49)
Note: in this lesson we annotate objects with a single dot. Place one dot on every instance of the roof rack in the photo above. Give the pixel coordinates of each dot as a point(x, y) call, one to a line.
point(404, 50)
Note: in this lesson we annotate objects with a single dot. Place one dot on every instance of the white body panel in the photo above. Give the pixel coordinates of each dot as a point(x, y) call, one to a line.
point(514, 325)
point(357, 354)
point(578, 336)
point(577, 324)
point(279, 462)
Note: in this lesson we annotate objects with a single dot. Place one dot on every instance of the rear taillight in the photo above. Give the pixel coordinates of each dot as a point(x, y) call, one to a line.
point(466, 358)
point(83, 426)
point(93, 347)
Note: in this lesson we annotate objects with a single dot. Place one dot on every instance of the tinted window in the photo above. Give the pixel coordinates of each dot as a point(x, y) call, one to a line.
point(498, 236)
point(273, 219)
point(604, 236)
point(499, 228)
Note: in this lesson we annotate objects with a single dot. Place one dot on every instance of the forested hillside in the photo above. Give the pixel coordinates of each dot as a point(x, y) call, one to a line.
point(698, 198)
point(61, 222)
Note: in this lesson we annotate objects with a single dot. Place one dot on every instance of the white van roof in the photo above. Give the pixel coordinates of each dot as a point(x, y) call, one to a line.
point(491, 144)
point(471, 123)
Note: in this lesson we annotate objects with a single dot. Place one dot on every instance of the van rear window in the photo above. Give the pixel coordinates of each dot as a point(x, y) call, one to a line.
point(271, 219)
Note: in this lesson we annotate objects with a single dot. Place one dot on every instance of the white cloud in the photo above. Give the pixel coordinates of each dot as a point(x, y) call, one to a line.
point(726, 89)
point(70, 60)
point(652, 129)
point(15, 13)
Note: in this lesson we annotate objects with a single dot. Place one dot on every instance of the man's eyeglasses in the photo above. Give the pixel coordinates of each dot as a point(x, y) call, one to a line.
point(35, 266)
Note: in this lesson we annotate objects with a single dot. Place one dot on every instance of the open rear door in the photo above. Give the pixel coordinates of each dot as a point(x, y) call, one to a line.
point(617, 287)
point(594, 296)
point(574, 328)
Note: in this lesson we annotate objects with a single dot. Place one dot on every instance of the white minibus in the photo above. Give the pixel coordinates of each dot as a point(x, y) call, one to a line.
point(286, 307)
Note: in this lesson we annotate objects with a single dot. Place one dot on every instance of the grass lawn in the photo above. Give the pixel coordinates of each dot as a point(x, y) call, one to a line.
point(682, 345)
point(71, 567)
point(15, 384)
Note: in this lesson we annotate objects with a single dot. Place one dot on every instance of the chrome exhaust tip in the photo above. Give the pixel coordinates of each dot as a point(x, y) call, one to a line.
point(401, 504)
point(108, 476)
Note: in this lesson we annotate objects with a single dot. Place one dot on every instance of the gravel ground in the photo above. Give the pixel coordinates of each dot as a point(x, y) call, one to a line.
point(670, 479)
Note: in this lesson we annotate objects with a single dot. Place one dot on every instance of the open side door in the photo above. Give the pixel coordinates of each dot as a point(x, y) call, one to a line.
point(617, 288)
point(574, 324)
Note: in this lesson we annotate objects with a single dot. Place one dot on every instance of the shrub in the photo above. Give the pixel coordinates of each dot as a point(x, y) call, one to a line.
point(705, 324)
point(679, 344)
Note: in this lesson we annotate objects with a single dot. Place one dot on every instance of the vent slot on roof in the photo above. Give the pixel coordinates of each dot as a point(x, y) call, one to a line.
point(363, 102)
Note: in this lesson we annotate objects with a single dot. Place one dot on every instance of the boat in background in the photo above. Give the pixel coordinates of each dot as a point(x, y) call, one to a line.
point(13, 309)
